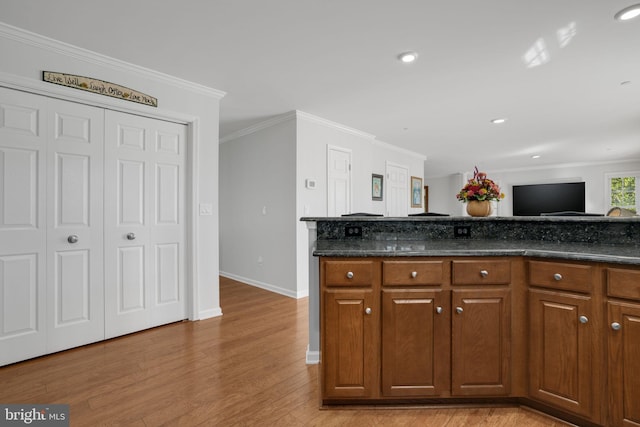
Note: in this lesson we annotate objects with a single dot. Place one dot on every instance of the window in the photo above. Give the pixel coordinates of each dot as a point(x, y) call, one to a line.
point(623, 190)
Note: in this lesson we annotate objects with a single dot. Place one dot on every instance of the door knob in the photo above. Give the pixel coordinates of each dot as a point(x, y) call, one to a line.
point(616, 326)
point(459, 310)
point(583, 319)
point(367, 310)
point(131, 236)
point(73, 238)
point(439, 310)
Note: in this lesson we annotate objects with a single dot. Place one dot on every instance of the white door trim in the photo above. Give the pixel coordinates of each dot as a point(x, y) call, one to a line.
point(193, 143)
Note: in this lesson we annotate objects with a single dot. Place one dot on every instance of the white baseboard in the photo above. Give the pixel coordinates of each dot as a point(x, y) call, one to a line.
point(207, 314)
point(266, 286)
point(313, 357)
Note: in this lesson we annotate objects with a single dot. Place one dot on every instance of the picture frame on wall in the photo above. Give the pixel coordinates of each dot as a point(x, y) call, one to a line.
point(416, 192)
point(376, 186)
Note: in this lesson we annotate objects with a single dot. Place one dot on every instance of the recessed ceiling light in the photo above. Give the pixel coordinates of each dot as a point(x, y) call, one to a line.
point(408, 57)
point(628, 13)
point(498, 121)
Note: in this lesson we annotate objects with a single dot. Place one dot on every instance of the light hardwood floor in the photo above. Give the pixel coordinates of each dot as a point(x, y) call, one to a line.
point(245, 368)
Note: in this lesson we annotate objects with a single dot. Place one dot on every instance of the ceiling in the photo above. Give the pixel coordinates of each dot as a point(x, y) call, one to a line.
point(554, 69)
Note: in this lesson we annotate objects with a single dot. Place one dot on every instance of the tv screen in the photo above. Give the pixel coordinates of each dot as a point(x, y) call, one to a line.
point(539, 199)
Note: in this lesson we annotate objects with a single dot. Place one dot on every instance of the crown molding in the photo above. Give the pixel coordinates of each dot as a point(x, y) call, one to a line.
point(398, 149)
point(258, 126)
point(319, 120)
point(29, 38)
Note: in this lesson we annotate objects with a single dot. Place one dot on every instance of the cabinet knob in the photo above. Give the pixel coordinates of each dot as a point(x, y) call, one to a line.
point(350, 275)
point(616, 326)
point(484, 273)
point(557, 276)
point(439, 310)
point(583, 319)
point(367, 310)
point(73, 238)
point(459, 310)
point(414, 274)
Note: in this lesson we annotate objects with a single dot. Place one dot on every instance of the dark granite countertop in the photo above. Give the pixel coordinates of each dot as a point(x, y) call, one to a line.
point(621, 254)
point(598, 239)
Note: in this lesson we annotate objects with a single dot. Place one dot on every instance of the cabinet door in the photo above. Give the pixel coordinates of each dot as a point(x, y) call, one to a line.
point(349, 356)
point(415, 342)
point(480, 342)
point(561, 347)
point(624, 364)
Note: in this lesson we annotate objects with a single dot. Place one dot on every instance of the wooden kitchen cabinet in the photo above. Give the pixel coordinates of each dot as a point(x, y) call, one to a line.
point(349, 329)
point(564, 343)
point(623, 342)
point(481, 342)
point(349, 354)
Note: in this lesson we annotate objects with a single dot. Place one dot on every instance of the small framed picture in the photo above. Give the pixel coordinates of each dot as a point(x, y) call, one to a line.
point(376, 186)
point(416, 192)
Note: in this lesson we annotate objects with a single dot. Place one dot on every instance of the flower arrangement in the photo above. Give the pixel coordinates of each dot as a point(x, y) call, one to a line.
point(480, 188)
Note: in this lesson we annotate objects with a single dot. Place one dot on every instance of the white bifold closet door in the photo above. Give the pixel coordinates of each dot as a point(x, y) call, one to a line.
point(51, 259)
point(144, 223)
point(92, 224)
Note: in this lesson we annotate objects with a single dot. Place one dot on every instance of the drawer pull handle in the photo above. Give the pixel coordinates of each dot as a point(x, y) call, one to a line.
point(414, 274)
point(439, 310)
point(484, 273)
point(367, 310)
point(616, 326)
point(557, 276)
point(459, 310)
point(350, 275)
point(583, 319)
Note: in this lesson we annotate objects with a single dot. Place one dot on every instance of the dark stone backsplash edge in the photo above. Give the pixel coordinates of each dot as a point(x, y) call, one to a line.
point(602, 230)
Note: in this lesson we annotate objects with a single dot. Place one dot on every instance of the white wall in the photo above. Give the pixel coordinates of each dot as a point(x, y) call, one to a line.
point(266, 167)
point(443, 190)
point(25, 55)
point(257, 208)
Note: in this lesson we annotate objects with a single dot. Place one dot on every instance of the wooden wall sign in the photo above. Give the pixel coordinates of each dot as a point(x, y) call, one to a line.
point(100, 87)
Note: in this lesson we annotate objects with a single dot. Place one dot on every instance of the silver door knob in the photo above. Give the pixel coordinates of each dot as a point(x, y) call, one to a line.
point(131, 236)
point(73, 238)
point(350, 275)
point(583, 319)
point(439, 310)
point(459, 310)
point(484, 273)
point(616, 326)
point(414, 274)
point(367, 310)
point(557, 276)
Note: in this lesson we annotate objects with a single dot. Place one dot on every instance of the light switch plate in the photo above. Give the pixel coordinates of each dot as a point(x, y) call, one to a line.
point(206, 209)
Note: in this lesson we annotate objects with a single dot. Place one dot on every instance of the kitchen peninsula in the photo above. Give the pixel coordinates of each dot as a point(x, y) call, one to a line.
point(538, 311)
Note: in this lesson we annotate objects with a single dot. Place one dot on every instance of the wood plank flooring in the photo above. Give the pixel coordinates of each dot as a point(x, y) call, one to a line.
point(245, 368)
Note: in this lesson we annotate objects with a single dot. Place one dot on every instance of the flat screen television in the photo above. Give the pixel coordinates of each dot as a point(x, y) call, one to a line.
point(540, 199)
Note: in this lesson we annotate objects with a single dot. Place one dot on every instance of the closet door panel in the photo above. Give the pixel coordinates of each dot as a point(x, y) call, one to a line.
point(75, 294)
point(23, 144)
point(144, 228)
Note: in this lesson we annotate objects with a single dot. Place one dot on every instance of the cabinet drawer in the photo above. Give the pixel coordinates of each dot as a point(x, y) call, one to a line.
point(408, 273)
point(623, 283)
point(558, 275)
point(349, 273)
point(479, 272)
